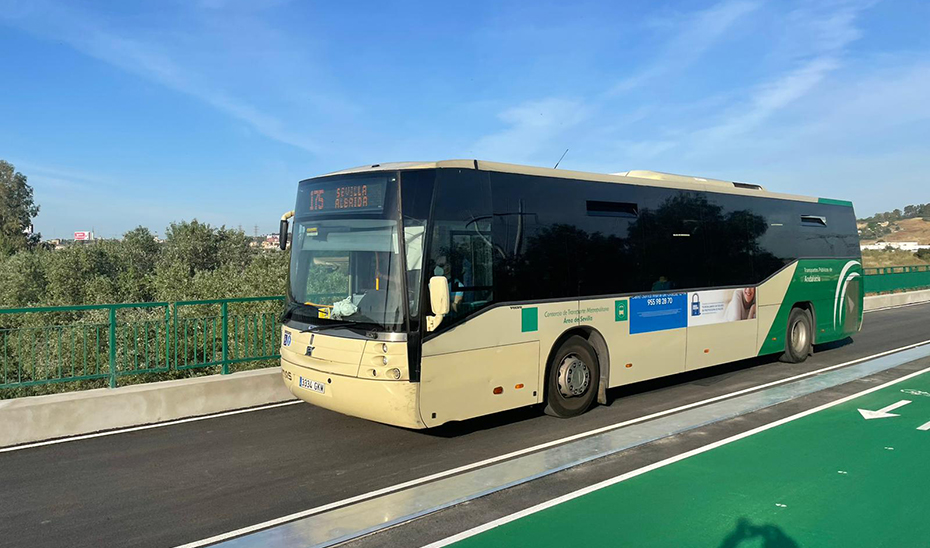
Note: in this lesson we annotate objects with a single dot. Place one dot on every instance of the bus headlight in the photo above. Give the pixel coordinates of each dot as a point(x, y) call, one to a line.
point(393, 373)
point(384, 360)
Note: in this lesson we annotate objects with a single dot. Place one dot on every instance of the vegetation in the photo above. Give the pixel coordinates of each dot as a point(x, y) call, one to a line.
point(909, 212)
point(882, 224)
point(872, 258)
point(16, 211)
point(195, 262)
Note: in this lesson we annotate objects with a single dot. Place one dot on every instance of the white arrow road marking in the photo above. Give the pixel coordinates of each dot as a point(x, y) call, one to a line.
point(884, 412)
point(924, 427)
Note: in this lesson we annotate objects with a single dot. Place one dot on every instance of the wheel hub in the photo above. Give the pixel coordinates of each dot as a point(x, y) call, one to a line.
point(798, 337)
point(574, 376)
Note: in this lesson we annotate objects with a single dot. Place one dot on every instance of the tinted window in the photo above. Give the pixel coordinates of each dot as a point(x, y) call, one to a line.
point(533, 239)
point(537, 230)
point(778, 243)
point(416, 199)
point(673, 253)
point(837, 236)
point(460, 240)
point(611, 254)
point(733, 230)
point(562, 238)
point(554, 238)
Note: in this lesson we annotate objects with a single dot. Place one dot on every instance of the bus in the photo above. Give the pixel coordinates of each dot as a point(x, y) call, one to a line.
point(423, 293)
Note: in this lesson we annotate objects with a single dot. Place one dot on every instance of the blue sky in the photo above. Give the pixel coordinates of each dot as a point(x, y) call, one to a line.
point(130, 112)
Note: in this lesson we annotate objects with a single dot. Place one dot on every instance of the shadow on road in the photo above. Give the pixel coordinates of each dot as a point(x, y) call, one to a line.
point(831, 345)
point(770, 536)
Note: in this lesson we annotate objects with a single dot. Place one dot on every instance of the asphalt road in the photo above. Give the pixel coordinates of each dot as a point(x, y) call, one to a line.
point(184, 482)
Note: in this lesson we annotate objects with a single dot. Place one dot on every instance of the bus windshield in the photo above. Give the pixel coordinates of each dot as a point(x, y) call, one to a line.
point(349, 270)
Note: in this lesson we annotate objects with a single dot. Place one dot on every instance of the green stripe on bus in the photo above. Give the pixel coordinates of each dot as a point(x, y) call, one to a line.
point(830, 201)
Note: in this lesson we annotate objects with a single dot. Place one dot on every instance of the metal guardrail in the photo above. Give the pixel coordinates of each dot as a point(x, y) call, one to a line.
point(896, 278)
point(60, 344)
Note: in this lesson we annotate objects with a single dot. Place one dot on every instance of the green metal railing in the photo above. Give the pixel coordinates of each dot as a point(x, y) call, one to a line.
point(61, 344)
point(102, 343)
point(896, 278)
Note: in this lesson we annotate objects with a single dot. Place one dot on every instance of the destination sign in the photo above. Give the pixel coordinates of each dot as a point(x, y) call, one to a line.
point(356, 195)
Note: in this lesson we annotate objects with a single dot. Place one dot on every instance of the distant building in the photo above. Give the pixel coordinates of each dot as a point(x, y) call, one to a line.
point(271, 241)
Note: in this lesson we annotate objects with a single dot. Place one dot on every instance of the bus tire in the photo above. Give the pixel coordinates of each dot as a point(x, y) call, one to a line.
point(799, 336)
point(572, 378)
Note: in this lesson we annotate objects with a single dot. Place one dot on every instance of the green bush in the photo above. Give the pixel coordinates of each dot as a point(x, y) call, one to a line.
point(196, 261)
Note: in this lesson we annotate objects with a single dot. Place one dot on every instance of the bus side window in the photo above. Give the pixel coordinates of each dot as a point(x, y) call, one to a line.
point(460, 241)
point(673, 239)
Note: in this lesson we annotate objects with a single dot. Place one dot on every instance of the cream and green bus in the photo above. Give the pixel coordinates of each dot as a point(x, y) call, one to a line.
point(423, 293)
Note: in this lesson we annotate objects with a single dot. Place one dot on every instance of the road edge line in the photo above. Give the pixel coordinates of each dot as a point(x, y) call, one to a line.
point(146, 426)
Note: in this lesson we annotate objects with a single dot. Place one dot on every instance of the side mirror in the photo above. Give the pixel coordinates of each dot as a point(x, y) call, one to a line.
point(438, 300)
point(282, 235)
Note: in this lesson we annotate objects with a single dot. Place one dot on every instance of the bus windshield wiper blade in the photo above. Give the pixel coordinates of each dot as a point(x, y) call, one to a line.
point(316, 328)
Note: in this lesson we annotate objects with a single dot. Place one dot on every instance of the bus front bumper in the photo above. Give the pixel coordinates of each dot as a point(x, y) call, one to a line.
point(390, 402)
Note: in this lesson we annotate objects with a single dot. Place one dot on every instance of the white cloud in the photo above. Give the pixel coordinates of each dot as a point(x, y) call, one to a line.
point(693, 34)
point(155, 62)
point(766, 100)
point(818, 51)
point(532, 127)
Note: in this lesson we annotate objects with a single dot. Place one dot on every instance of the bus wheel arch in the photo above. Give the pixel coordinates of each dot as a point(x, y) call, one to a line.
point(589, 345)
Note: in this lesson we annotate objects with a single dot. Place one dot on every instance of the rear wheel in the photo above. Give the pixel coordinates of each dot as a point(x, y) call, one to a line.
point(571, 381)
point(799, 337)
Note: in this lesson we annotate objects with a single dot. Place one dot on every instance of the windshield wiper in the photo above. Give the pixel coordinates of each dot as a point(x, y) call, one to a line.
point(360, 325)
point(318, 327)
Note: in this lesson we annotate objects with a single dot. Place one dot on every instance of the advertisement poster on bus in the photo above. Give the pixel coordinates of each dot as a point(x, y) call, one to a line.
point(658, 312)
point(721, 306)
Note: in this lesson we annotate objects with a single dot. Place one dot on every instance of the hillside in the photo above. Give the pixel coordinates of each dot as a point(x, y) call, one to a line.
point(904, 230)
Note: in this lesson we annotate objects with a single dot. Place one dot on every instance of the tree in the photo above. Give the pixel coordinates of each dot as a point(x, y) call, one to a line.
point(139, 255)
point(16, 211)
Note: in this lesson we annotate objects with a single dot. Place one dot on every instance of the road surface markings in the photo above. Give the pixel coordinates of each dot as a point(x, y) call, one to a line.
point(480, 464)
point(914, 392)
point(884, 412)
point(146, 426)
point(671, 460)
point(924, 427)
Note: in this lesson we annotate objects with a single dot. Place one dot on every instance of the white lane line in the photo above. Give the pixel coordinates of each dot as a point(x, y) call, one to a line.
point(146, 426)
point(924, 427)
point(639, 471)
point(426, 479)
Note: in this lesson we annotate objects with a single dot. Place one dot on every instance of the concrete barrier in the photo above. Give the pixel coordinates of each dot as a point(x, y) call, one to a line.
point(37, 418)
point(896, 299)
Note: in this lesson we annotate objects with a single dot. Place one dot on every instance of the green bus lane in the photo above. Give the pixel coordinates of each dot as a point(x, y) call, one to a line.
point(837, 477)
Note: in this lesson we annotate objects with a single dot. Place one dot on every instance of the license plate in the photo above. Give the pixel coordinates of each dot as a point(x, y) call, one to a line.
point(312, 385)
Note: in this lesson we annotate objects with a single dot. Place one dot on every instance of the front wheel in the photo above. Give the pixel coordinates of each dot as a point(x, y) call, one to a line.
point(799, 337)
point(571, 381)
